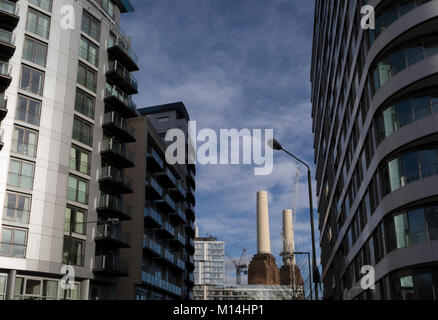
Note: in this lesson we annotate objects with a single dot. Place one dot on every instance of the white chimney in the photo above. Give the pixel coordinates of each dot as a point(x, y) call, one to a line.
point(288, 234)
point(196, 232)
point(263, 235)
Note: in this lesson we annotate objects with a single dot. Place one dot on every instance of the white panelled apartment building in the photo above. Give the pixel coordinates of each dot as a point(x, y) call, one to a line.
point(62, 163)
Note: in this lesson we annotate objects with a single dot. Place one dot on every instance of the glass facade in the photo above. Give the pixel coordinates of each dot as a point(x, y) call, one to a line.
point(209, 263)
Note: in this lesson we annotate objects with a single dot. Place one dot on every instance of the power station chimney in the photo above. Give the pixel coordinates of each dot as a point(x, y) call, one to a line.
point(263, 235)
point(196, 232)
point(288, 235)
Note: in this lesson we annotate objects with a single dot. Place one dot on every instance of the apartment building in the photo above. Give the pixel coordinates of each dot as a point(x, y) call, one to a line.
point(162, 229)
point(62, 165)
point(375, 115)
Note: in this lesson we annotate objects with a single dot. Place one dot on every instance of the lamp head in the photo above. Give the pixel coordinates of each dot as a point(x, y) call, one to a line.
point(274, 144)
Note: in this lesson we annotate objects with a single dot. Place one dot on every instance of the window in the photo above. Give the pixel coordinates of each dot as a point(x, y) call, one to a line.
point(75, 220)
point(32, 80)
point(73, 252)
point(28, 110)
point(25, 141)
point(90, 26)
point(43, 4)
point(38, 23)
point(30, 288)
point(84, 104)
point(80, 160)
point(83, 131)
point(3, 282)
point(87, 77)
point(17, 207)
point(89, 51)
point(21, 174)
point(35, 51)
point(13, 242)
point(77, 190)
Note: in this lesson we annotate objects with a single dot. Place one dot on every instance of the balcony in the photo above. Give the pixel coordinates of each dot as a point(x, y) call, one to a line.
point(112, 207)
point(178, 216)
point(166, 230)
point(110, 266)
point(9, 16)
point(190, 279)
point(191, 195)
point(154, 161)
point(7, 45)
point(190, 245)
point(191, 179)
point(117, 154)
point(191, 228)
point(118, 127)
point(153, 189)
point(118, 75)
point(178, 240)
point(1, 138)
point(123, 103)
point(110, 235)
point(178, 193)
point(114, 180)
point(3, 107)
point(151, 246)
point(180, 264)
point(5, 75)
point(120, 50)
point(152, 218)
point(166, 204)
point(190, 209)
point(168, 256)
point(167, 178)
point(161, 284)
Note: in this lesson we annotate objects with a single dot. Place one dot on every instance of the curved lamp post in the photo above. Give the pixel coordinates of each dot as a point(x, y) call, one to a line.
point(275, 145)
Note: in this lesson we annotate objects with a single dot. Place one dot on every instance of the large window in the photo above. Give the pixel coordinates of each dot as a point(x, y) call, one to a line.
point(87, 77)
point(415, 284)
point(406, 111)
point(77, 190)
point(108, 6)
point(409, 167)
point(84, 103)
point(13, 242)
point(32, 80)
point(35, 51)
point(89, 51)
point(43, 4)
point(21, 174)
point(31, 288)
point(90, 26)
point(412, 227)
point(3, 282)
point(75, 220)
point(25, 141)
point(17, 207)
point(402, 58)
point(73, 252)
point(38, 23)
point(83, 131)
point(80, 160)
point(28, 110)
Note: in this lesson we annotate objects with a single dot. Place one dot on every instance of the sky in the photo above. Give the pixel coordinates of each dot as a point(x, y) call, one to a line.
point(235, 64)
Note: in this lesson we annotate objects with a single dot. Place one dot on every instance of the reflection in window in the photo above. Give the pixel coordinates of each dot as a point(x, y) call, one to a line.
point(28, 110)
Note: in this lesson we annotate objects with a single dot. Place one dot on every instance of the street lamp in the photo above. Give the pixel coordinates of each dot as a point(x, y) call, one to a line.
point(275, 145)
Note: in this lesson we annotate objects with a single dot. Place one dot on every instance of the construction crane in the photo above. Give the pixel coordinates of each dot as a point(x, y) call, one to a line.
point(241, 267)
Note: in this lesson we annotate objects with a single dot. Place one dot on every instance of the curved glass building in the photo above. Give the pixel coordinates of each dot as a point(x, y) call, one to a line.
point(375, 123)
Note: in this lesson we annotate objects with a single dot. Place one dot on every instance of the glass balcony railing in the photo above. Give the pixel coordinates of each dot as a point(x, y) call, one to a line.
point(154, 215)
point(110, 264)
point(117, 148)
point(154, 184)
point(180, 264)
point(122, 44)
point(160, 283)
point(5, 69)
point(116, 176)
point(1, 135)
point(9, 7)
point(180, 237)
point(169, 200)
point(166, 226)
point(113, 91)
point(116, 119)
point(6, 37)
point(150, 244)
point(113, 203)
point(154, 155)
point(110, 232)
point(169, 256)
point(117, 67)
point(3, 101)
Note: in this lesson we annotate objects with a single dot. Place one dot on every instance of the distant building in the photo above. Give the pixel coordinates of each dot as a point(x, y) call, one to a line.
point(251, 292)
point(209, 265)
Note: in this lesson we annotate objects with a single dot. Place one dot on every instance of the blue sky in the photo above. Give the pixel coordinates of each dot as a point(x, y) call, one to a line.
point(235, 64)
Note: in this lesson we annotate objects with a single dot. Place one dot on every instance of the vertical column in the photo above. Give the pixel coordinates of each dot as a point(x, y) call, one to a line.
point(11, 285)
point(263, 236)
